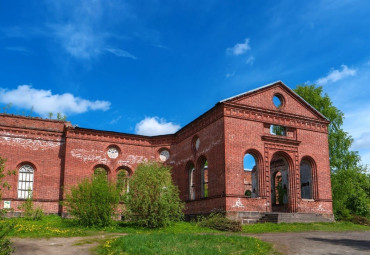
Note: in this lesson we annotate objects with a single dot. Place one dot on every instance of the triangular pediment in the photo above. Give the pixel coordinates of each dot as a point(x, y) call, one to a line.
point(262, 98)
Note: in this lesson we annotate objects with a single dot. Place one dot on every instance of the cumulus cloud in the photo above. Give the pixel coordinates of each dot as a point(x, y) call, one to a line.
point(336, 75)
point(43, 101)
point(121, 53)
point(155, 126)
point(239, 48)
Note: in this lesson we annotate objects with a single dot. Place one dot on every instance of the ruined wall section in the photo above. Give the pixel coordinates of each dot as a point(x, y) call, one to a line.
point(87, 149)
point(37, 142)
point(209, 128)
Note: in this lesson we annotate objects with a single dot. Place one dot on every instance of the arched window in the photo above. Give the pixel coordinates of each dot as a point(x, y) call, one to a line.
point(100, 172)
point(204, 178)
point(191, 170)
point(250, 176)
point(306, 179)
point(25, 181)
point(122, 184)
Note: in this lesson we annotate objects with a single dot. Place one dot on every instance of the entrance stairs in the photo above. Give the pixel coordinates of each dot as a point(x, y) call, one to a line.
point(293, 217)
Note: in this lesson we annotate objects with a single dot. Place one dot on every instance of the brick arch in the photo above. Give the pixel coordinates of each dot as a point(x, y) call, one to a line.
point(124, 167)
point(259, 169)
point(291, 205)
point(27, 162)
point(313, 165)
point(102, 166)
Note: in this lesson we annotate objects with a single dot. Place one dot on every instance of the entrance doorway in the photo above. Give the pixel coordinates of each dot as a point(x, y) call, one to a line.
point(279, 184)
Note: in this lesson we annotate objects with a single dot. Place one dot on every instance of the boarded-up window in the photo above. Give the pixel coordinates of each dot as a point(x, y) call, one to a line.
point(25, 181)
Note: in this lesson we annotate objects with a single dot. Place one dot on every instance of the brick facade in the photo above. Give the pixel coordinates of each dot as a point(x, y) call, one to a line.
point(62, 155)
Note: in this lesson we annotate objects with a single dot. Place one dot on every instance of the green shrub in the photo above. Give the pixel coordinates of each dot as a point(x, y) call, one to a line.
point(153, 200)
point(93, 202)
point(5, 244)
point(219, 221)
point(29, 212)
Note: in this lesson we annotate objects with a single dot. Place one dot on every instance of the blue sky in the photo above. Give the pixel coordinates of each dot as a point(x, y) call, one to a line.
point(150, 67)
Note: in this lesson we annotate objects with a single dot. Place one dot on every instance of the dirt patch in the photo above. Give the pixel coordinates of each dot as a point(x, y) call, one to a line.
point(317, 243)
point(59, 245)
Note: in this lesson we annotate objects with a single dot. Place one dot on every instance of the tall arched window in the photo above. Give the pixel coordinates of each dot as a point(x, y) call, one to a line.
point(25, 181)
point(306, 179)
point(191, 171)
point(204, 177)
point(250, 176)
point(123, 176)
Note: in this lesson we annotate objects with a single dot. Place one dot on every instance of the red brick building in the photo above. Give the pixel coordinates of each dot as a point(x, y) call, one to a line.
point(283, 137)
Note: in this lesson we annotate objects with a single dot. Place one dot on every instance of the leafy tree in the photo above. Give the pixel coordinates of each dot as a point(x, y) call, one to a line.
point(350, 180)
point(5, 228)
point(93, 202)
point(153, 200)
point(341, 157)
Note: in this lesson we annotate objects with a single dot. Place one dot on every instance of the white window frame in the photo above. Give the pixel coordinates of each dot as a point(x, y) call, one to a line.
point(25, 181)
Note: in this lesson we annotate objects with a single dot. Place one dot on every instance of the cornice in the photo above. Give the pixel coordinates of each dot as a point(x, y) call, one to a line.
point(31, 134)
point(280, 139)
point(272, 117)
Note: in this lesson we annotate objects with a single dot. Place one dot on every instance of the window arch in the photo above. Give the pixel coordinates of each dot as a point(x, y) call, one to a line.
point(25, 181)
point(100, 171)
point(191, 172)
point(250, 165)
point(204, 177)
point(306, 179)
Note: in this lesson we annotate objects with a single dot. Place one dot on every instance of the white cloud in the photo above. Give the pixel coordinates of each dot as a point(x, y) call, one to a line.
point(239, 48)
point(336, 75)
point(43, 101)
point(363, 142)
point(229, 75)
point(155, 126)
point(115, 120)
point(250, 60)
point(19, 49)
point(121, 53)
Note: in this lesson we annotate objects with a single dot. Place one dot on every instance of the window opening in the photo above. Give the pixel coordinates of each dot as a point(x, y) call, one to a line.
point(191, 182)
point(250, 176)
point(25, 181)
point(277, 130)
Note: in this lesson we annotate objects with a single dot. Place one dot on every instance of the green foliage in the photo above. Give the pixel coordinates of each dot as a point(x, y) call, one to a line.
point(93, 202)
point(5, 244)
point(185, 244)
point(341, 157)
point(360, 220)
point(153, 200)
point(30, 212)
point(351, 193)
point(219, 222)
point(350, 183)
point(3, 174)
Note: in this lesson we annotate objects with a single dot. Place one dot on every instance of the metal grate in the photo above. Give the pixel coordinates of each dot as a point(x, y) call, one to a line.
point(25, 181)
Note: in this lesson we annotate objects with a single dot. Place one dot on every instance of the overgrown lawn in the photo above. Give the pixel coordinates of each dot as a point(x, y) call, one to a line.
point(165, 243)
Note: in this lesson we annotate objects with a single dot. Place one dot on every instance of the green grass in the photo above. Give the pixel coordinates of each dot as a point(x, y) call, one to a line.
point(49, 226)
point(302, 227)
point(55, 226)
point(166, 243)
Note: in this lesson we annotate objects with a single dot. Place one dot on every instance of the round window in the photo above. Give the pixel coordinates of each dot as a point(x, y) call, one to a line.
point(164, 155)
point(278, 101)
point(112, 152)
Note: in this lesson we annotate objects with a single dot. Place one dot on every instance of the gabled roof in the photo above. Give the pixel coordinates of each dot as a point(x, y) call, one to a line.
point(271, 85)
